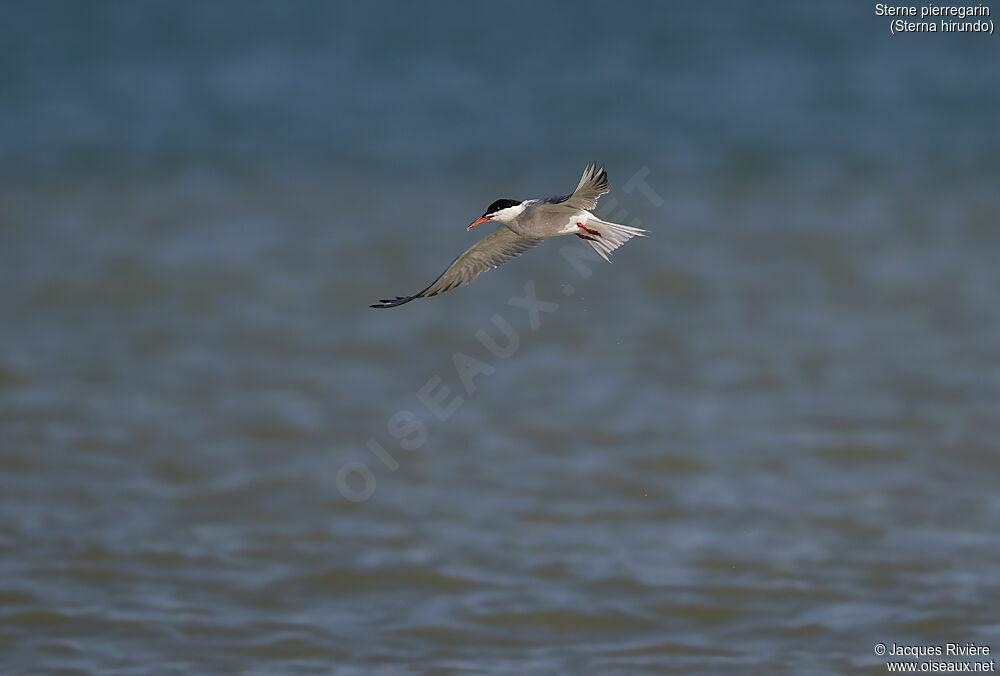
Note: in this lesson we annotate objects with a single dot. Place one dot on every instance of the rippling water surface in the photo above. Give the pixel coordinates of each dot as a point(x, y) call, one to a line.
point(762, 441)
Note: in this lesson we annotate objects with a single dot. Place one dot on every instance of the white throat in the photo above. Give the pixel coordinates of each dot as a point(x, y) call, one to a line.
point(508, 215)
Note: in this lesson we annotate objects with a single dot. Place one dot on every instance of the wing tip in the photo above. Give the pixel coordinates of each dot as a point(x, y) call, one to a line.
point(594, 178)
point(394, 302)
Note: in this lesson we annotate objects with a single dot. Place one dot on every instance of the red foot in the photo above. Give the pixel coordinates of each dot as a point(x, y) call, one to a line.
point(586, 237)
point(592, 232)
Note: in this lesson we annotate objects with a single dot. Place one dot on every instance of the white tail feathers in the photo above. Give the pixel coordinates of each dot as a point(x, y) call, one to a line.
point(612, 236)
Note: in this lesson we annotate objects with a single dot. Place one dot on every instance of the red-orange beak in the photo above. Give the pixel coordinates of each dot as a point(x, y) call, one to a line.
point(481, 219)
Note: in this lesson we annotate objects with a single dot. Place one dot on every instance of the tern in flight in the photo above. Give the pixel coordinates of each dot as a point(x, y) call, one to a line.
point(525, 224)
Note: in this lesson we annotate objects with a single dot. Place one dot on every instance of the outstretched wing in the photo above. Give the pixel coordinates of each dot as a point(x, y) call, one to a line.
point(490, 252)
point(593, 184)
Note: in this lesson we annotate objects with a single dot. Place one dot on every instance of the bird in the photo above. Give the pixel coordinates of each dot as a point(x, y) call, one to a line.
point(524, 224)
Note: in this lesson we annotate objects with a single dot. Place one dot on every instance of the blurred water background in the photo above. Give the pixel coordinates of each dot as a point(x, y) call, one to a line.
point(761, 441)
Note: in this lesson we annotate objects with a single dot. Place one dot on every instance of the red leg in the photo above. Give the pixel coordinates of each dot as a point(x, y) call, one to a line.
point(586, 237)
point(592, 232)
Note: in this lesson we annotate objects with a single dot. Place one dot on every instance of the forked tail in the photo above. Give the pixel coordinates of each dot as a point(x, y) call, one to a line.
point(605, 237)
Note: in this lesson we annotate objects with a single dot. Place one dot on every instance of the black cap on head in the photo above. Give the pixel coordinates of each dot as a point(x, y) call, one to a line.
point(500, 204)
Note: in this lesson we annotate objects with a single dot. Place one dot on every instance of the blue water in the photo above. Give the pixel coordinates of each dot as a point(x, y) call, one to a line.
point(763, 440)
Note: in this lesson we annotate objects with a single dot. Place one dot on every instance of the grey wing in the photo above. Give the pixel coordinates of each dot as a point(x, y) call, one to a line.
point(490, 252)
point(593, 184)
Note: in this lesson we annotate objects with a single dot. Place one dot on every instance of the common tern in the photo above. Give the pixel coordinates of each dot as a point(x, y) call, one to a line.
point(525, 224)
